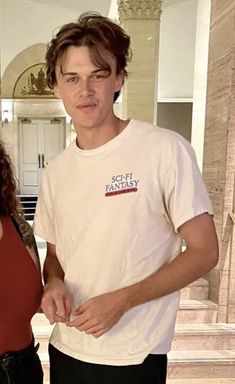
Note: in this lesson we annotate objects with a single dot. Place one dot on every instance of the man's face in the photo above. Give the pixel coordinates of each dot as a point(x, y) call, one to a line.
point(86, 90)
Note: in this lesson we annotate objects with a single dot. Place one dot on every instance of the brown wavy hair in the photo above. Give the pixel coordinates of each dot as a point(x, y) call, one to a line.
point(9, 204)
point(99, 34)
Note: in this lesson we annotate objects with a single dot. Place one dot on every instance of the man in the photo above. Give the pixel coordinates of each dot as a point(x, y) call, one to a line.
point(114, 208)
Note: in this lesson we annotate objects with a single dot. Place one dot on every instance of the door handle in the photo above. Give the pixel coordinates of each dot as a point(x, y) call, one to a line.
point(44, 163)
point(39, 161)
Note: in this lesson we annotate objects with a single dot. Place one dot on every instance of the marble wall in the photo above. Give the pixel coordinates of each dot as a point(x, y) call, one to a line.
point(219, 150)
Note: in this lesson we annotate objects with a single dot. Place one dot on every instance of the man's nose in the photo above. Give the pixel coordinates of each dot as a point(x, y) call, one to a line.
point(84, 87)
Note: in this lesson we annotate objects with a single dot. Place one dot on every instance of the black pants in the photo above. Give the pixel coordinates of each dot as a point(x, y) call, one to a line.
point(21, 367)
point(66, 369)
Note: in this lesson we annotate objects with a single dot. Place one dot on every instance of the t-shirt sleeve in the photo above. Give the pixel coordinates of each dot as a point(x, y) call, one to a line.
point(185, 195)
point(44, 216)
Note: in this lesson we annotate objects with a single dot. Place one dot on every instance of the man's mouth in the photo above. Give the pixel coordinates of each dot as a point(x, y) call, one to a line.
point(85, 106)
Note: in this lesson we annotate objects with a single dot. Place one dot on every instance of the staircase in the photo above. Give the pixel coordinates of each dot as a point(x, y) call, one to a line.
point(203, 351)
point(28, 203)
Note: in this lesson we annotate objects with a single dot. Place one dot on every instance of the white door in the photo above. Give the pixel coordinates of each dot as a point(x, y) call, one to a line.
point(40, 141)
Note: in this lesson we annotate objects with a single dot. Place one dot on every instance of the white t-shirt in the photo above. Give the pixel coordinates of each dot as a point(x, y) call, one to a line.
point(113, 214)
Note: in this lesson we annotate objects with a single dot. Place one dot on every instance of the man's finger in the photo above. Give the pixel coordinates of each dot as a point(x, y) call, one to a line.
point(59, 319)
point(60, 308)
point(49, 309)
point(100, 333)
point(92, 329)
point(68, 307)
point(90, 326)
point(75, 323)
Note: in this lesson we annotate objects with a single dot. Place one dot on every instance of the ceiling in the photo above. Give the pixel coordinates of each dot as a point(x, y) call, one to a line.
point(102, 6)
point(168, 3)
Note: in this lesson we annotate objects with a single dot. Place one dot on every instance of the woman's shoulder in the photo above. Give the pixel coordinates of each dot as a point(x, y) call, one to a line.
point(25, 229)
point(26, 232)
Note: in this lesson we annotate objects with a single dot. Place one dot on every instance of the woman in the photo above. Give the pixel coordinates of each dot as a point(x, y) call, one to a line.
point(20, 286)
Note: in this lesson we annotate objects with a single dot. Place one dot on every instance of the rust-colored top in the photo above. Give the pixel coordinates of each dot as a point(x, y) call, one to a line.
point(20, 290)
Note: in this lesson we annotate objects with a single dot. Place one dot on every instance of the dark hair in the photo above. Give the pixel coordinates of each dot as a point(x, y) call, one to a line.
point(96, 32)
point(8, 201)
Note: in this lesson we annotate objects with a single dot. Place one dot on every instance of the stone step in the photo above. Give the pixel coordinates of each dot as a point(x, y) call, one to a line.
point(204, 337)
point(195, 291)
point(201, 365)
point(197, 311)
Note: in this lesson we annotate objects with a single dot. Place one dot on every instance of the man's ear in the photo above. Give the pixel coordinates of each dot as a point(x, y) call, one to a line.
point(56, 91)
point(119, 81)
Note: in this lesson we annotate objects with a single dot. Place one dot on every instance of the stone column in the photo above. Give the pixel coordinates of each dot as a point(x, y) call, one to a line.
point(200, 77)
point(141, 20)
point(219, 151)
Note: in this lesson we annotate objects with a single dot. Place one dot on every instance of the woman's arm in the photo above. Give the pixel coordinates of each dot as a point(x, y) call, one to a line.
point(26, 232)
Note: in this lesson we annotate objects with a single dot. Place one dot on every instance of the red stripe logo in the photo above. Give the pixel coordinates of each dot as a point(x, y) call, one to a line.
point(121, 191)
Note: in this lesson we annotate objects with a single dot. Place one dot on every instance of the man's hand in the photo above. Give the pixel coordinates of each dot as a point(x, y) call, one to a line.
point(56, 301)
point(99, 314)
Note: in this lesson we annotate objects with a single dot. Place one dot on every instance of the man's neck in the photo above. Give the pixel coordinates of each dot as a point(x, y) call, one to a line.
point(95, 137)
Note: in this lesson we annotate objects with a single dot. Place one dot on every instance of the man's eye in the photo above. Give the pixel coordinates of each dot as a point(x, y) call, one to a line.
point(97, 77)
point(72, 80)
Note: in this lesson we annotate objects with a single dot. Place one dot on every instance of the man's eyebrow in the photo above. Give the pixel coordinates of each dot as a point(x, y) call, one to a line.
point(68, 73)
point(92, 72)
point(100, 70)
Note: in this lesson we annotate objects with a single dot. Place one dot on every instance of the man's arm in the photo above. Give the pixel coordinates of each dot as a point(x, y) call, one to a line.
point(200, 256)
point(100, 313)
point(56, 301)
